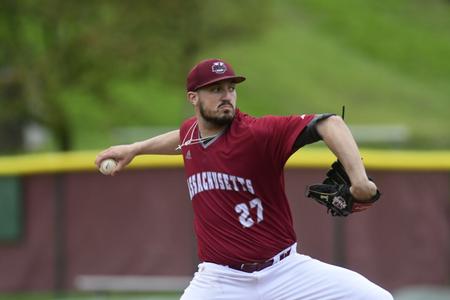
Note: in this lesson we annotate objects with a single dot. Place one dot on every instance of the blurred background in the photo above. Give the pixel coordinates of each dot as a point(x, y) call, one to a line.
point(79, 76)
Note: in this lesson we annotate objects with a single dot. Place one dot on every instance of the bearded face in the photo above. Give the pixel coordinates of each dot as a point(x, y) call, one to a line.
point(217, 103)
point(220, 116)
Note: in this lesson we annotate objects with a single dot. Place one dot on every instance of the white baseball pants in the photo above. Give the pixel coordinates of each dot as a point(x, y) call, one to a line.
point(295, 277)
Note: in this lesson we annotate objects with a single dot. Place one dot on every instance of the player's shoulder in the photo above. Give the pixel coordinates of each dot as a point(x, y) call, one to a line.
point(266, 120)
point(272, 125)
point(253, 125)
point(246, 122)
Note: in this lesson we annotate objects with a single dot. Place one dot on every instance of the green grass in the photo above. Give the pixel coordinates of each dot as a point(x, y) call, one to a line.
point(387, 61)
point(307, 64)
point(408, 35)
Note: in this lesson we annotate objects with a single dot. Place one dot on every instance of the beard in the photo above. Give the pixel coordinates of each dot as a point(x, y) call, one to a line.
point(220, 119)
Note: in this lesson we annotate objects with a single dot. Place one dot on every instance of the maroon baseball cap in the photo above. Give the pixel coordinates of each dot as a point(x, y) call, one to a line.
point(209, 71)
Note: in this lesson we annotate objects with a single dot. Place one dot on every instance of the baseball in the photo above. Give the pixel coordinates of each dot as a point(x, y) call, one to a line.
point(107, 166)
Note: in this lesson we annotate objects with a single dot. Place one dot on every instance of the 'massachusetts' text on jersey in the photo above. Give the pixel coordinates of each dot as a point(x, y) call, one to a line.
point(236, 185)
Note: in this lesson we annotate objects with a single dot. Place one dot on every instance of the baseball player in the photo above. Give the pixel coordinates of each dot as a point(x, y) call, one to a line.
point(234, 175)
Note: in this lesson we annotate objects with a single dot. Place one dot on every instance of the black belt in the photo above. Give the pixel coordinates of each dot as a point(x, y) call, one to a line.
point(258, 266)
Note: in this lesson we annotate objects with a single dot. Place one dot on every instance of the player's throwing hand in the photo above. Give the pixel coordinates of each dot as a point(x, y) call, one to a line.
point(122, 154)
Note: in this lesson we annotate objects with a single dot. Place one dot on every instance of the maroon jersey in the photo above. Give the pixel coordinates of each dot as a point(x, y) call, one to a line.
point(236, 185)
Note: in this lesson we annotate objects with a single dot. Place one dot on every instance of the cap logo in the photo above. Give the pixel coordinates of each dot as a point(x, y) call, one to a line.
point(219, 67)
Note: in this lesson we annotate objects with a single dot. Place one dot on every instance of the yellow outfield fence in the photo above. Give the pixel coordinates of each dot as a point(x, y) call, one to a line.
point(308, 158)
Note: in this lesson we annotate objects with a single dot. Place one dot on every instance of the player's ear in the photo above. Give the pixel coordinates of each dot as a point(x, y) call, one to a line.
point(192, 97)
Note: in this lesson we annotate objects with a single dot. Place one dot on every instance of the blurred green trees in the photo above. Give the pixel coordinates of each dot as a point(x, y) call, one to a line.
point(92, 72)
point(55, 54)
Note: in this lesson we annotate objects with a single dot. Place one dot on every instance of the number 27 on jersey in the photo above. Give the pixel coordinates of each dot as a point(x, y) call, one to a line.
point(244, 209)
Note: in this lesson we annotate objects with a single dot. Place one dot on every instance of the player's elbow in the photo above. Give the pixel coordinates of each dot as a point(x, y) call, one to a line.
point(335, 121)
point(330, 126)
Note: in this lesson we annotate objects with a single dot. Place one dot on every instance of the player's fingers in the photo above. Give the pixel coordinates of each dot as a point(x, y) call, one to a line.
point(102, 156)
point(122, 154)
point(114, 152)
point(122, 163)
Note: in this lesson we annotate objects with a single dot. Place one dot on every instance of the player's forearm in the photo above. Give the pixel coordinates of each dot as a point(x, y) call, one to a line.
point(123, 154)
point(165, 143)
point(338, 138)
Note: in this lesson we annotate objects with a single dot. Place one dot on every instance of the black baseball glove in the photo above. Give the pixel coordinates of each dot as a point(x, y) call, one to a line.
point(335, 194)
